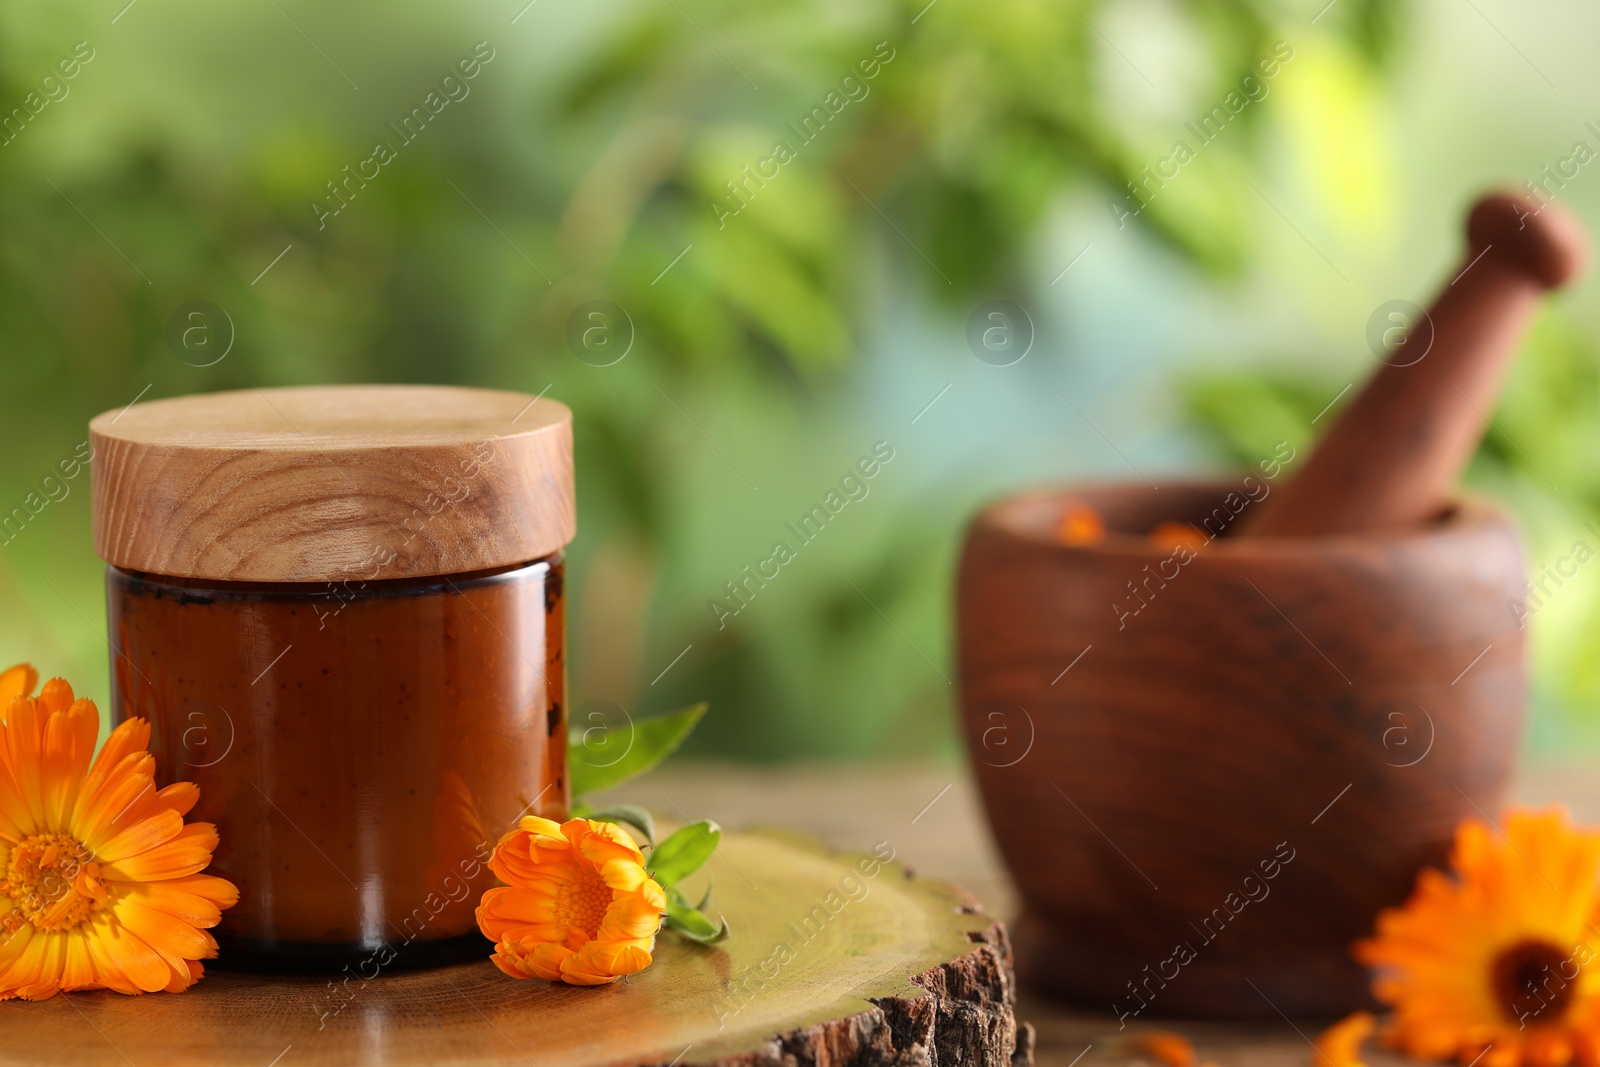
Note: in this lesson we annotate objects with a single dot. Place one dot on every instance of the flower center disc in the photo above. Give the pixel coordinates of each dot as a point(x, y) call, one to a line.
point(53, 884)
point(582, 903)
point(1533, 982)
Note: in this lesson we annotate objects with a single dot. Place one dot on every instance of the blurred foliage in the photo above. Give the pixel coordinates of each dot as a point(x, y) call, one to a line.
point(585, 164)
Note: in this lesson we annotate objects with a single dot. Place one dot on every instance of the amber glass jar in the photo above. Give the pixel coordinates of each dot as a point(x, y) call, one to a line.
point(341, 611)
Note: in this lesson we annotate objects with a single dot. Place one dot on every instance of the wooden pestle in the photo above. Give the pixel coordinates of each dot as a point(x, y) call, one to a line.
point(1394, 456)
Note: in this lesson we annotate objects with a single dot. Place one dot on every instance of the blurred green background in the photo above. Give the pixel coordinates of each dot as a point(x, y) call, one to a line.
point(186, 160)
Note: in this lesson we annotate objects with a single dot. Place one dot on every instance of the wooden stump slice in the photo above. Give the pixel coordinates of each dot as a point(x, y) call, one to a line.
point(834, 960)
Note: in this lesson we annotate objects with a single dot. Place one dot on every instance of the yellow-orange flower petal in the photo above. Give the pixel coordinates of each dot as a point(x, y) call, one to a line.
point(16, 682)
point(1080, 524)
point(1165, 1047)
point(1340, 1044)
point(578, 907)
point(1502, 957)
point(99, 877)
point(1175, 535)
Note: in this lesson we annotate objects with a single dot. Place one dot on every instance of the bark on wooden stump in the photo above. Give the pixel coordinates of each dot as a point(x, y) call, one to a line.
point(836, 961)
point(963, 1016)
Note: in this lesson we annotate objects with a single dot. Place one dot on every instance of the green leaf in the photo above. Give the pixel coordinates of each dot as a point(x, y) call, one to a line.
point(705, 901)
point(685, 852)
point(691, 922)
point(630, 814)
point(601, 755)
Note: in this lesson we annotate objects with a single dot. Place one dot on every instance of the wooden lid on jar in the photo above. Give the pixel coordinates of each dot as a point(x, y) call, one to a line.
point(332, 483)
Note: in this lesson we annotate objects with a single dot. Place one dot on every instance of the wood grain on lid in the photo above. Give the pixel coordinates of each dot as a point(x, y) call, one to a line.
point(332, 483)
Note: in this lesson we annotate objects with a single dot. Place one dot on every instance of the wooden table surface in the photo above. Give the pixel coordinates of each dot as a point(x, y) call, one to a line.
point(929, 816)
point(934, 821)
point(822, 963)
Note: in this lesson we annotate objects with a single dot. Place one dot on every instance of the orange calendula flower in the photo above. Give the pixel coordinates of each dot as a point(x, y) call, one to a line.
point(100, 883)
point(577, 907)
point(1503, 959)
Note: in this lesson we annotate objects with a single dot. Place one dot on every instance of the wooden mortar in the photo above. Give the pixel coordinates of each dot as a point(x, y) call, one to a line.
point(1210, 766)
point(1342, 701)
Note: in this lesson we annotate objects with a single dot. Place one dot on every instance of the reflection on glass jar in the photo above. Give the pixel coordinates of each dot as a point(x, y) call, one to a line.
point(361, 774)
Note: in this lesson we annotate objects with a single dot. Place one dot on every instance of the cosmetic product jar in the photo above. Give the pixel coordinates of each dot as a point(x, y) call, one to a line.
point(341, 610)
